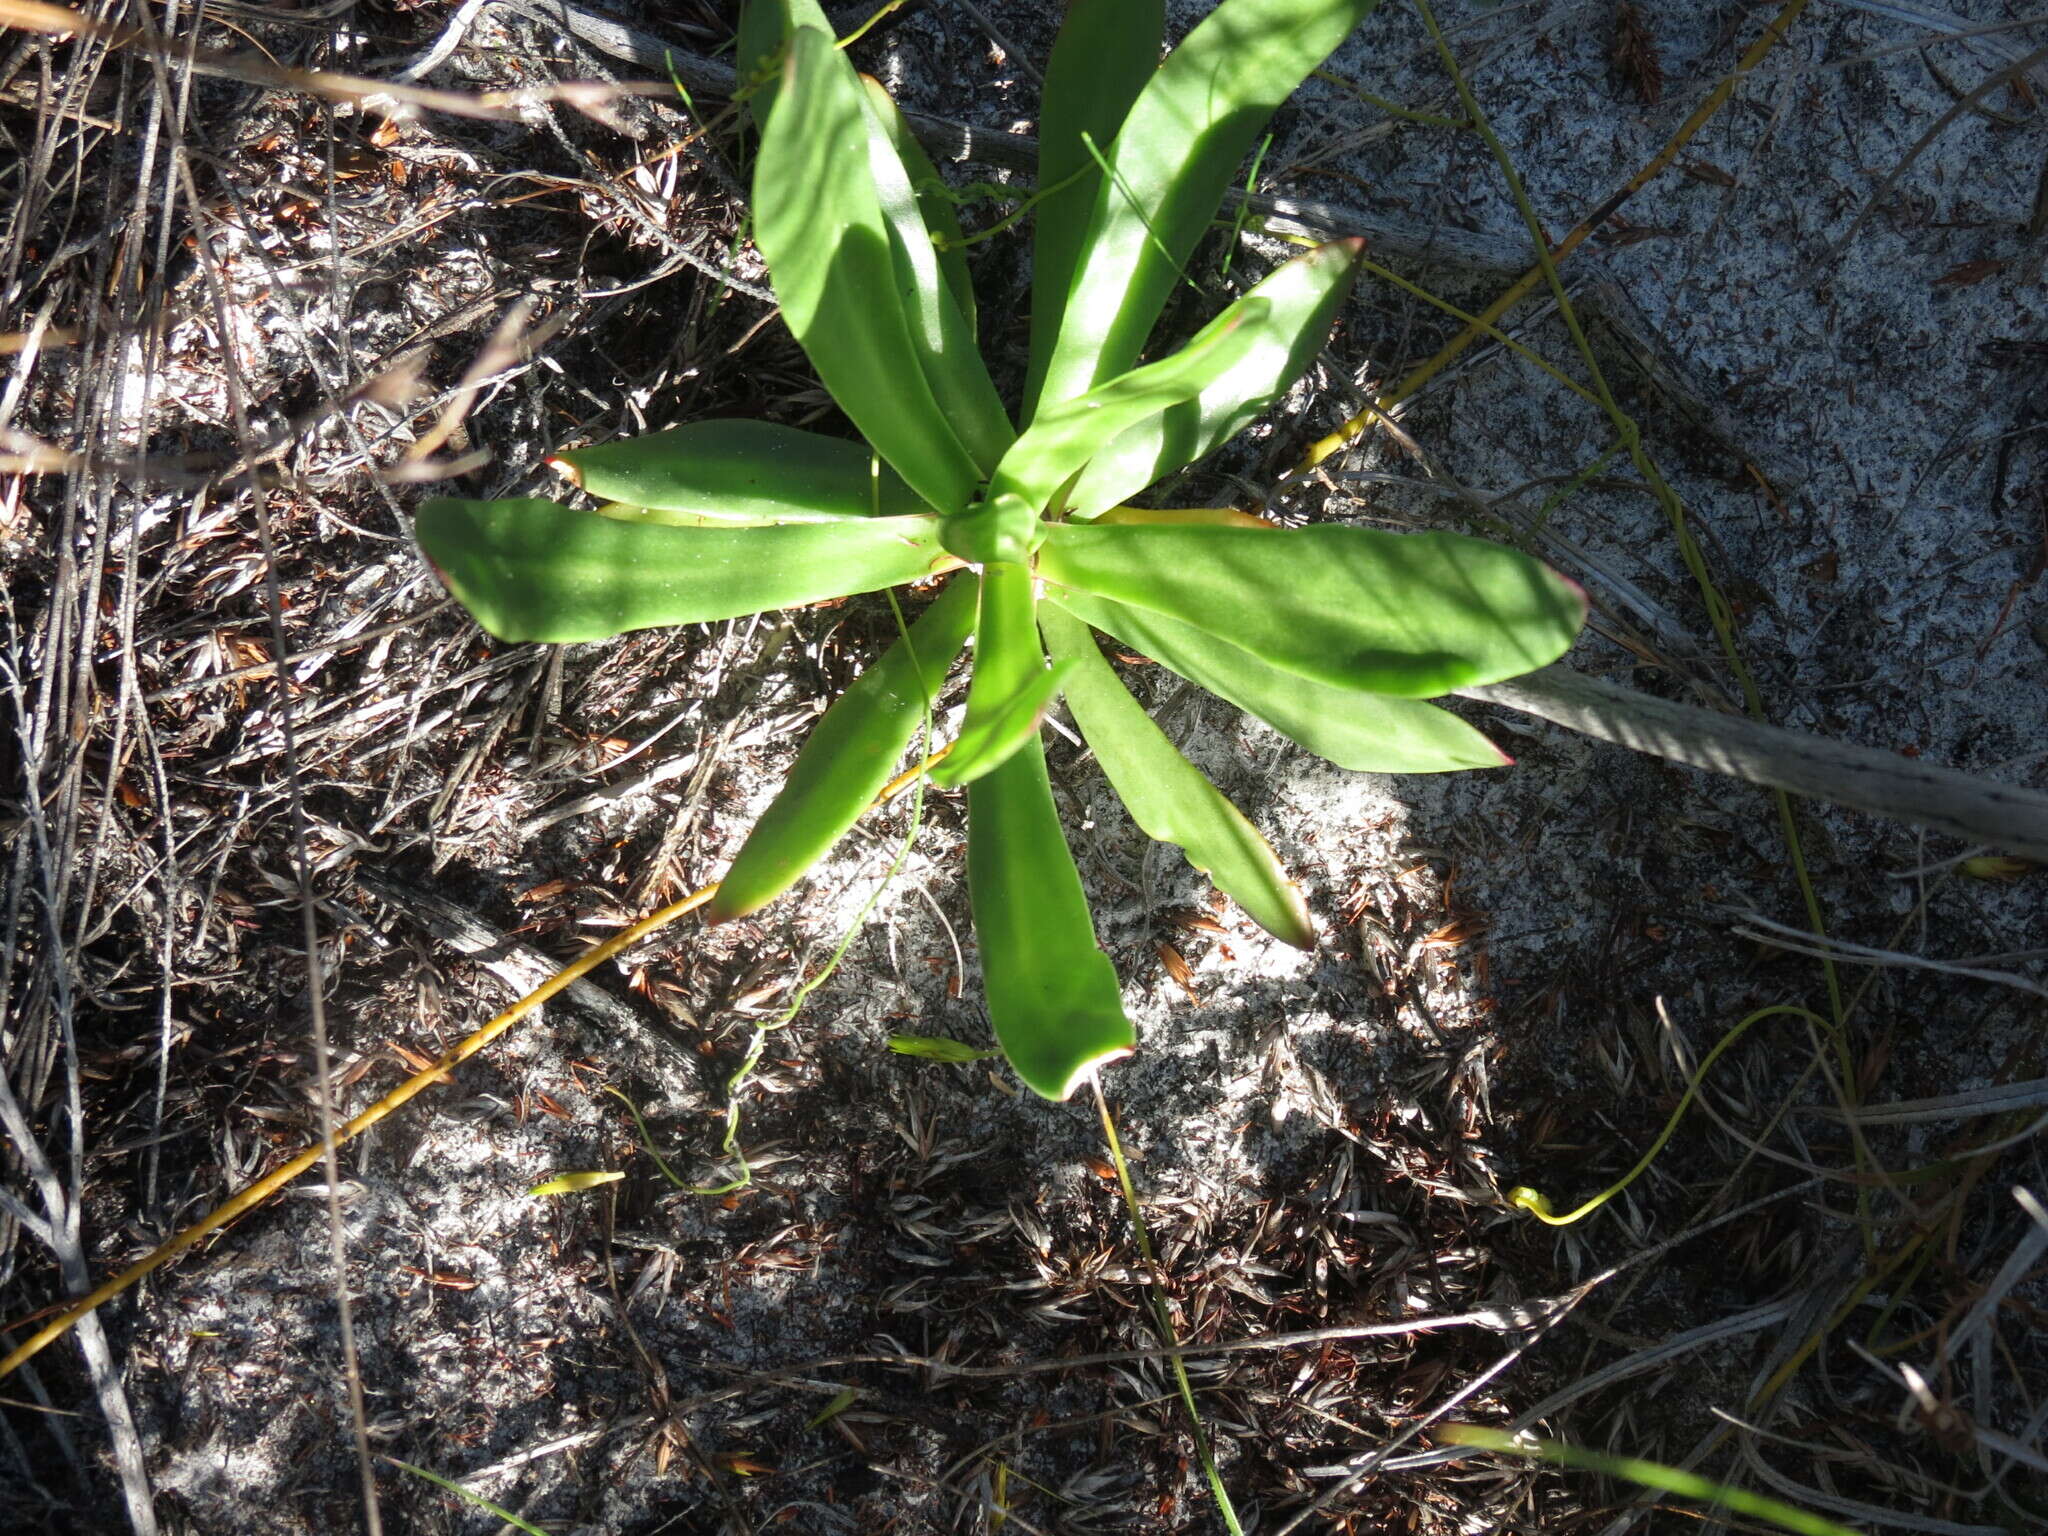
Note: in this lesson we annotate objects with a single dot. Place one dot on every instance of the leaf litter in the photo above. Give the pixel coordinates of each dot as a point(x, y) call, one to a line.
point(1519, 973)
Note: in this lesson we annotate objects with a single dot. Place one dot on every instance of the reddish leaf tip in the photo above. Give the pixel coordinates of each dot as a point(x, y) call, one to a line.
point(1577, 590)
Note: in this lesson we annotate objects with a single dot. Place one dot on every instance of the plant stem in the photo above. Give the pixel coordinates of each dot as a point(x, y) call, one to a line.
point(1162, 1318)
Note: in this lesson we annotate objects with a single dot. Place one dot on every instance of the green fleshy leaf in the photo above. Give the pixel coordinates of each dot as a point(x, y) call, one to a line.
point(537, 570)
point(1305, 295)
point(1052, 994)
point(1415, 615)
point(831, 247)
point(1167, 795)
point(575, 1183)
point(1065, 436)
point(940, 215)
point(848, 758)
point(1365, 732)
point(1105, 53)
point(764, 30)
point(938, 1048)
point(1178, 149)
point(1010, 688)
point(931, 284)
point(1003, 530)
point(986, 742)
point(740, 472)
point(940, 332)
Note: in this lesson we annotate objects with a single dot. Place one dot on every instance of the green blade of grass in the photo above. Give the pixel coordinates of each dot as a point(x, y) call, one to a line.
point(1162, 1319)
point(474, 1500)
point(1649, 1474)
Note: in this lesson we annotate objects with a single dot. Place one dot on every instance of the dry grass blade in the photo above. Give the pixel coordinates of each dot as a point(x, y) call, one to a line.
point(1765, 931)
point(1950, 1106)
point(51, 697)
point(301, 861)
point(56, 21)
point(509, 344)
point(2018, 1265)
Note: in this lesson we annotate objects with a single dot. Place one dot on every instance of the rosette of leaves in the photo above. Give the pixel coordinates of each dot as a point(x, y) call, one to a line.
point(1336, 636)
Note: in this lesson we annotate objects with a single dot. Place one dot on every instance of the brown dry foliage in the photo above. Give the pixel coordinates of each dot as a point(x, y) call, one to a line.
point(1634, 55)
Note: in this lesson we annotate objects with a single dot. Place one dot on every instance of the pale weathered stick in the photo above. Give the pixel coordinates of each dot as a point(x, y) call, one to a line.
point(1963, 805)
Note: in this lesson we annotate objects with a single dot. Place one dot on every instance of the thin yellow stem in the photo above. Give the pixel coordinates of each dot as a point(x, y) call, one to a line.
point(255, 1194)
point(1534, 1202)
point(862, 30)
